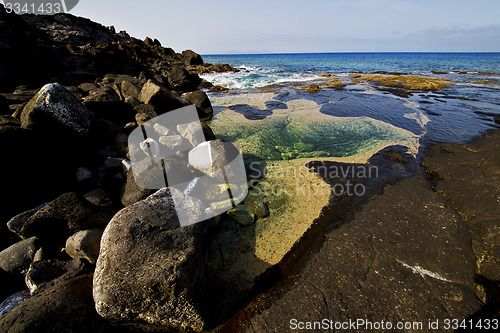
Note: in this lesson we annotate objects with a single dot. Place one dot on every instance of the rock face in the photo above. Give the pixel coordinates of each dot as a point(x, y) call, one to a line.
point(150, 273)
point(54, 107)
point(65, 307)
point(191, 58)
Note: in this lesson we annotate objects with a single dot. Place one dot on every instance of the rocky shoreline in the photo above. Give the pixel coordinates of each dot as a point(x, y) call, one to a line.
point(85, 249)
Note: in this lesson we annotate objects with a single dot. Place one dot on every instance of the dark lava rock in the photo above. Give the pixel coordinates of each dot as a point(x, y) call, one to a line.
point(132, 193)
point(84, 244)
point(261, 209)
point(17, 258)
point(99, 197)
point(105, 103)
point(150, 271)
point(180, 79)
point(191, 58)
point(64, 307)
point(55, 108)
point(43, 274)
point(202, 102)
point(67, 212)
point(16, 223)
point(160, 97)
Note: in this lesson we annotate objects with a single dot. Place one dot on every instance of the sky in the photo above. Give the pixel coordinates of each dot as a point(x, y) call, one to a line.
point(279, 26)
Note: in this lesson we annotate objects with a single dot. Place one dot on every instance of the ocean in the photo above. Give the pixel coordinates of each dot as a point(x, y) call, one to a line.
point(258, 70)
point(467, 107)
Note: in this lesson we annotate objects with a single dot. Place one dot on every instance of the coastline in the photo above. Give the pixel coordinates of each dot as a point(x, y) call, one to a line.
point(353, 270)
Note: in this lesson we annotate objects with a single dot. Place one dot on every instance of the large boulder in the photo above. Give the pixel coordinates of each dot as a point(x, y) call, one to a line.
point(67, 212)
point(160, 97)
point(150, 271)
point(202, 102)
point(55, 108)
point(64, 307)
point(191, 58)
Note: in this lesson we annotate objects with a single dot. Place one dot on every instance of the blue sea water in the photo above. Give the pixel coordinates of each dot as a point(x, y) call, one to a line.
point(466, 109)
point(257, 70)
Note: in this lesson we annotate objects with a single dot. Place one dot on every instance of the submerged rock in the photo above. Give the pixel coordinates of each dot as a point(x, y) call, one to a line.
point(13, 301)
point(261, 209)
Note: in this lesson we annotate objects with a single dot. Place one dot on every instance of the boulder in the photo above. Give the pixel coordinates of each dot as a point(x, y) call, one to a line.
point(84, 244)
point(45, 273)
point(172, 142)
point(150, 271)
point(17, 258)
point(202, 102)
point(16, 223)
point(191, 58)
point(132, 193)
point(106, 104)
point(180, 79)
point(67, 212)
point(64, 307)
point(160, 97)
point(129, 89)
point(55, 108)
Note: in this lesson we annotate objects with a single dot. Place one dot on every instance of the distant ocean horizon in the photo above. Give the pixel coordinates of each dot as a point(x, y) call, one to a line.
point(258, 70)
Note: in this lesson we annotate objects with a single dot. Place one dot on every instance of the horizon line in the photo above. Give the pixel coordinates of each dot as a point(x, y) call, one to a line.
point(342, 52)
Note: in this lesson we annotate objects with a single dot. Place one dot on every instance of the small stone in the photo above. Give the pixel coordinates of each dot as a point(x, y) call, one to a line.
point(172, 142)
point(261, 209)
point(113, 162)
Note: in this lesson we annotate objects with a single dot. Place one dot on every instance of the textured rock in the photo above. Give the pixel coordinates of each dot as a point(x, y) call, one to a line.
point(150, 273)
point(84, 244)
point(99, 198)
point(16, 223)
point(132, 193)
point(17, 258)
point(180, 79)
point(67, 212)
point(193, 132)
point(202, 102)
point(191, 58)
point(160, 97)
point(64, 307)
point(43, 274)
point(54, 107)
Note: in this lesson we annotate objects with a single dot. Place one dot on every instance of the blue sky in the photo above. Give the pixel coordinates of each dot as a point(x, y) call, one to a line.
point(276, 26)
